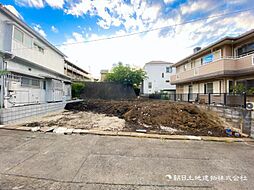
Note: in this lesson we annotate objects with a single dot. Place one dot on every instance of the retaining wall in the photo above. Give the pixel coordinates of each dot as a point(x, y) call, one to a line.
point(238, 117)
point(15, 114)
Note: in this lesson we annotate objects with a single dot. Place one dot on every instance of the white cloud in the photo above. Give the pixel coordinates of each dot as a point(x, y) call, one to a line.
point(40, 3)
point(14, 11)
point(39, 29)
point(135, 16)
point(54, 29)
point(168, 1)
point(137, 50)
point(30, 3)
point(199, 5)
point(55, 3)
point(78, 9)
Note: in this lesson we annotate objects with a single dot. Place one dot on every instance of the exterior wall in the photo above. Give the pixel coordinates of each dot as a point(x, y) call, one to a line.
point(219, 67)
point(248, 40)
point(227, 64)
point(18, 94)
point(34, 61)
point(49, 59)
point(154, 75)
point(179, 89)
point(198, 87)
point(227, 51)
point(5, 33)
point(103, 77)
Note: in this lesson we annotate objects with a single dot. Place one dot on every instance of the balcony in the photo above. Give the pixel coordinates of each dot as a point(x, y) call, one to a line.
point(220, 67)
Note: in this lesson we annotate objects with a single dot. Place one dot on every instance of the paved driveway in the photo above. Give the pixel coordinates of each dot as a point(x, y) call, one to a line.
point(50, 161)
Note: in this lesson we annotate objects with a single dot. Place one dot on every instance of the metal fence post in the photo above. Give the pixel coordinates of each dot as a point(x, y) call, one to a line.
point(244, 100)
point(209, 98)
point(225, 99)
point(188, 97)
point(175, 97)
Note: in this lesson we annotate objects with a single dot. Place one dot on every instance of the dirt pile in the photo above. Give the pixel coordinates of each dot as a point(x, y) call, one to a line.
point(157, 116)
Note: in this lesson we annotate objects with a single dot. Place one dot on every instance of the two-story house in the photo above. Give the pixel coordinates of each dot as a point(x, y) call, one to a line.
point(158, 77)
point(34, 68)
point(217, 68)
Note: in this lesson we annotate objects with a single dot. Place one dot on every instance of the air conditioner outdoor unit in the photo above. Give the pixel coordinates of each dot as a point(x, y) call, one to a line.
point(249, 105)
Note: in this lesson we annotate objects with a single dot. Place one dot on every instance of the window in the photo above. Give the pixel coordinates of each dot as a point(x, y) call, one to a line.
point(185, 67)
point(18, 35)
point(27, 41)
point(230, 86)
point(58, 85)
point(25, 81)
point(35, 83)
point(149, 85)
point(168, 69)
point(38, 48)
point(248, 48)
point(162, 75)
point(208, 88)
point(201, 61)
point(44, 85)
point(30, 82)
point(192, 64)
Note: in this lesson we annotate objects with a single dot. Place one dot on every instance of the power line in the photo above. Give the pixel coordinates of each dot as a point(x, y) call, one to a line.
point(159, 28)
point(152, 29)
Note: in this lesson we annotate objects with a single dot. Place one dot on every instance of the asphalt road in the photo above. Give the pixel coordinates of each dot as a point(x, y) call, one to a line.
point(49, 161)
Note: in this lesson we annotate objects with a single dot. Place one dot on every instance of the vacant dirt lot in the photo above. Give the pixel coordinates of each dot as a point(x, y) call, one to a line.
point(157, 116)
point(153, 116)
point(80, 120)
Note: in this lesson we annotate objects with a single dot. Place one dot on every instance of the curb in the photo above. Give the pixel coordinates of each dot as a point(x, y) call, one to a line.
point(129, 134)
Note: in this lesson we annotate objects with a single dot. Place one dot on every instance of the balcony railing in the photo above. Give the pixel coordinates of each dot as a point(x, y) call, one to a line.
point(218, 66)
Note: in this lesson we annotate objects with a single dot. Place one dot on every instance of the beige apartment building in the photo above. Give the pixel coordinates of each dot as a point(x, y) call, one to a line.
point(218, 67)
point(75, 72)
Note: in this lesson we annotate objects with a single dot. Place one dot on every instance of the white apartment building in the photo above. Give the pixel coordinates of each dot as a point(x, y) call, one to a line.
point(34, 67)
point(158, 77)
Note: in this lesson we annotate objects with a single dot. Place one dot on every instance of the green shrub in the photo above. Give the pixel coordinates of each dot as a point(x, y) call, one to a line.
point(76, 89)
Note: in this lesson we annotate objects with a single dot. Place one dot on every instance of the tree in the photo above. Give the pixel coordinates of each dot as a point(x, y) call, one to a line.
point(76, 89)
point(126, 75)
point(241, 88)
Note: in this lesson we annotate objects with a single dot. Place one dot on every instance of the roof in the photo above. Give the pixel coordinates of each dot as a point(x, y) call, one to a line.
point(104, 71)
point(222, 41)
point(158, 62)
point(28, 28)
point(75, 66)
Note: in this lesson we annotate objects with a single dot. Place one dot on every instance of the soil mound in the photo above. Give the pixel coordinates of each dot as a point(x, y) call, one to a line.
point(157, 116)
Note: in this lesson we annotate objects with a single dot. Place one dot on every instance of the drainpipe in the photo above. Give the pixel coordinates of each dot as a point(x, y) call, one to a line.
point(2, 85)
point(6, 57)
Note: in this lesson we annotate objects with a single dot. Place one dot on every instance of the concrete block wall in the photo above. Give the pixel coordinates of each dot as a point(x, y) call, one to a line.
point(15, 114)
point(238, 117)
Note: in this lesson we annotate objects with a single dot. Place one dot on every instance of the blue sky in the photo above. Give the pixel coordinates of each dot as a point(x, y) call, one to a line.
point(71, 21)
